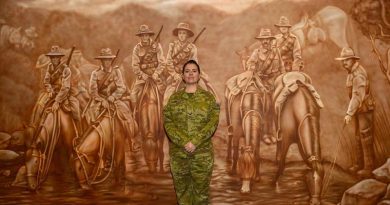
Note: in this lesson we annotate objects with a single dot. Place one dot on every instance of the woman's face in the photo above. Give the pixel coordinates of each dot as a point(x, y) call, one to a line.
point(191, 74)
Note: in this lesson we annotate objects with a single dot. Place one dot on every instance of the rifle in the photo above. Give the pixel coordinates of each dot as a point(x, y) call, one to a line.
point(185, 46)
point(157, 39)
point(70, 55)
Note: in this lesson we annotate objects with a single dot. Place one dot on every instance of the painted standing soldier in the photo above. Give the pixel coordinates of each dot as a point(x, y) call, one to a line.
point(361, 110)
point(289, 47)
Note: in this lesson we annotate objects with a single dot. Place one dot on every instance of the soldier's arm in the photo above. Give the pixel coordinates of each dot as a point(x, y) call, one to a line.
point(251, 63)
point(93, 87)
point(358, 94)
point(120, 85)
point(46, 82)
point(297, 51)
point(194, 54)
point(297, 54)
point(135, 62)
point(281, 67)
point(208, 130)
point(65, 86)
point(161, 60)
point(176, 135)
point(169, 64)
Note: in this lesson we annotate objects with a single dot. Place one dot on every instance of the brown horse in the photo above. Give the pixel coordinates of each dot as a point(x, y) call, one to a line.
point(297, 106)
point(245, 118)
point(102, 148)
point(149, 115)
point(58, 128)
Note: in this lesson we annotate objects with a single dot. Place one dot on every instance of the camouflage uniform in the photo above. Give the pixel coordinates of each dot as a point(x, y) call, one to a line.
point(191, 117)
point(361, 107)
point(149, 60)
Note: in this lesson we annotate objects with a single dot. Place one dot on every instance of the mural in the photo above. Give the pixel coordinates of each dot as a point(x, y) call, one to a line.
point(303, 87)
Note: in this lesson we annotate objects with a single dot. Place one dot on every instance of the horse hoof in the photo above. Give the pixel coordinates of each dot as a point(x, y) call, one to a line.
point(245, 188)
point(85, 187)
point(267, 141)
point(315, 201)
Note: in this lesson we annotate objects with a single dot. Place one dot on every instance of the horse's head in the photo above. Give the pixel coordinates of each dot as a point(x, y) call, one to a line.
point(298, 29)
point(33, 156)
point(15, 37)
point(23, 40)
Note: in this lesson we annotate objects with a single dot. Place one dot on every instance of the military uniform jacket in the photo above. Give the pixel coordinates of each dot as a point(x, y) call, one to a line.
point(290, 50)
point(59, 81)
point(113, 86)
point(191, 117)
point(148, 59)
point(265, 62)
point(358, 87)
point(176, 59)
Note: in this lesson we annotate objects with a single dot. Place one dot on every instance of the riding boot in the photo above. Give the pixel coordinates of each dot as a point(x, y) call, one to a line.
point(368, 152)
point(357, 164)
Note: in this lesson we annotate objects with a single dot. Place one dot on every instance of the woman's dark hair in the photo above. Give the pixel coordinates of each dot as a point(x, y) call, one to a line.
point(191, 62)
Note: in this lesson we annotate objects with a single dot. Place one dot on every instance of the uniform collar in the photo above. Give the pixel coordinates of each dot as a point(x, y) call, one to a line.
point(354, 67)
point(102, 69)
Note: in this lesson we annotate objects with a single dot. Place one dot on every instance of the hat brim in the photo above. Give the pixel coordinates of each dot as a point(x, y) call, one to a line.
point(140, 33)
point(105, 57)
point(279, 25)
point(55, 54)
point(348, 57)
point(176, 31)
point(265, 37)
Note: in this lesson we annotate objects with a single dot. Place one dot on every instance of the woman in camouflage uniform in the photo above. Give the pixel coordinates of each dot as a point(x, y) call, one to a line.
point(190, 119)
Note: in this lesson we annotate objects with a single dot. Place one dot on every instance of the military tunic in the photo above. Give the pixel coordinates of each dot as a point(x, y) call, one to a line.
point(191, 117)
point(290, 51)
point(149, 60)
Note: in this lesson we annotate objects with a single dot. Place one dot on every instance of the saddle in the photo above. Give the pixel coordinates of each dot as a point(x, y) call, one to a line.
point(287, 84)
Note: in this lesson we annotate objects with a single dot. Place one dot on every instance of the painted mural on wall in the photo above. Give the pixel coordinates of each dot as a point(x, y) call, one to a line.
point(303, 88)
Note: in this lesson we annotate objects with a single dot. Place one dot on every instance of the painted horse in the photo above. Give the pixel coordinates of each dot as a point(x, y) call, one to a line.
point(149, 118)
point(245, 97)
point(58, 129)
point(297, 108)
point(101, 149)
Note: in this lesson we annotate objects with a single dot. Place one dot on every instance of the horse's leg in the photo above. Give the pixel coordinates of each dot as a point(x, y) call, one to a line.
point(87, 154)
point(237, 134)
point(229, 131)
point(309, 142)
point(161, 149)
point(119, 152)
point(149, 128)
point(68, 132)
point(288, 132)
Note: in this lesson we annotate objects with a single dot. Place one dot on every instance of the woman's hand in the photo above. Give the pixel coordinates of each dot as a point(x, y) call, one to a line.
point(189, 147)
